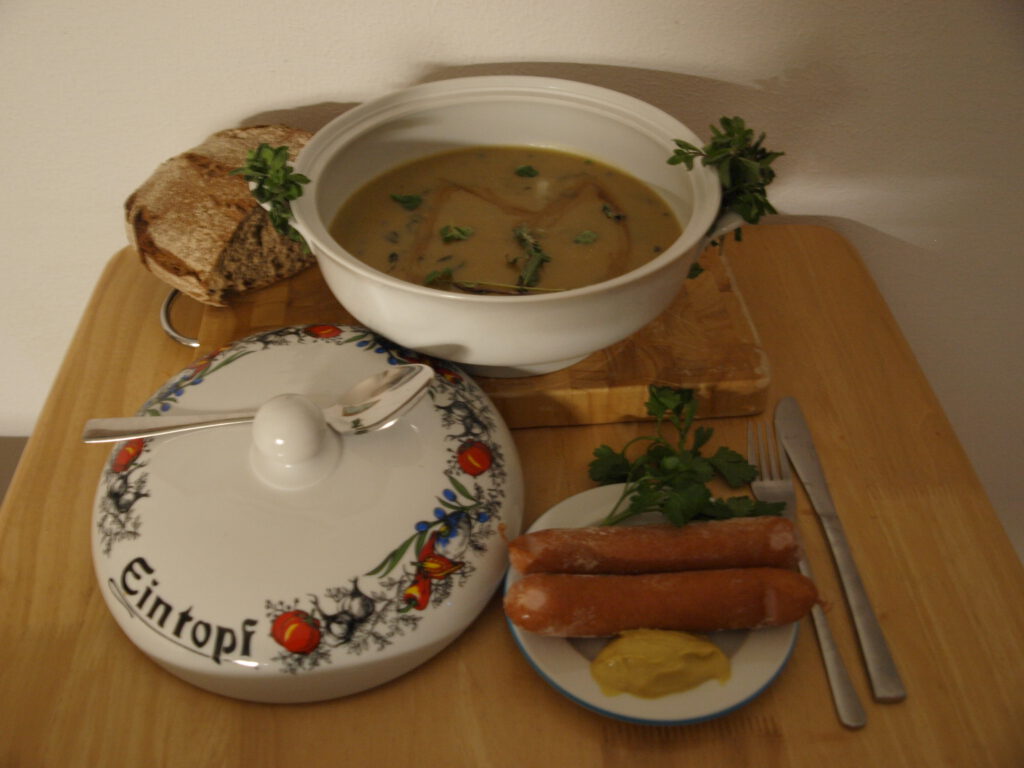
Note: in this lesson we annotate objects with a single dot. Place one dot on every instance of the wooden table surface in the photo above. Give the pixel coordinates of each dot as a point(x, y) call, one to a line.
point(943, 576)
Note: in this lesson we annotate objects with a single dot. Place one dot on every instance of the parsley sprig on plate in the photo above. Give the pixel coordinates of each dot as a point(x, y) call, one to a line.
point(672, 477)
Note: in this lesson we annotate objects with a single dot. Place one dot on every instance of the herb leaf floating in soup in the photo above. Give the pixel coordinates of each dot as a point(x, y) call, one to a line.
point(535, 257)
point(451, 233)
point(506, 220)
point(409, 202)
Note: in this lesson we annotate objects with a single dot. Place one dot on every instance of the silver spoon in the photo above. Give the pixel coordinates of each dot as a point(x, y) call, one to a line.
point(374, 403)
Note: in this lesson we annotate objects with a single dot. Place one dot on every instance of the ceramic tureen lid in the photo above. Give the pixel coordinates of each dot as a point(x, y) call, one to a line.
point(303, 594)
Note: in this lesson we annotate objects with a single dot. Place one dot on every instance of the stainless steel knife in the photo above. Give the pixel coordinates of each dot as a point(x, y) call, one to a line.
point(792, 430)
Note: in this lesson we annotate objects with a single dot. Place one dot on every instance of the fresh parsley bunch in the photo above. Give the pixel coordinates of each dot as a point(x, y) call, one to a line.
point(670, 477)
point(743, 166)
point(275, 182)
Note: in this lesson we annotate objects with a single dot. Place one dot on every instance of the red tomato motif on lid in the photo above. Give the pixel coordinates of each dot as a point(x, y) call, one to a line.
point(129, 452)
point(296, 631)
point(323, 331)
point(475, 458)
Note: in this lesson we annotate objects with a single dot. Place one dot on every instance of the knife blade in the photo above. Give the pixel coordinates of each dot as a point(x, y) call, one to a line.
point(791, 428)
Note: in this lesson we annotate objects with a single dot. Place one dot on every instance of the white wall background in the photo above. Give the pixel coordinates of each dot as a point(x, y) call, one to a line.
point(901, 119)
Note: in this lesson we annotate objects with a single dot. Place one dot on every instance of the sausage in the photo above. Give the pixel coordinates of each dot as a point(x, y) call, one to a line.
point(595, 605)
point(742, 542)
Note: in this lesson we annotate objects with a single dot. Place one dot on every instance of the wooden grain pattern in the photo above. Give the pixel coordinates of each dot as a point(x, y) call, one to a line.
point(704, 340)
point(944, 578)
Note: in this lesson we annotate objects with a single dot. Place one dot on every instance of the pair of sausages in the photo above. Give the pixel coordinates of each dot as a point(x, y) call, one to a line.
point(701, 577)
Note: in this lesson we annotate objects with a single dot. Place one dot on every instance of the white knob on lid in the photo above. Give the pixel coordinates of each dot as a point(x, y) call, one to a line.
point(292, 446)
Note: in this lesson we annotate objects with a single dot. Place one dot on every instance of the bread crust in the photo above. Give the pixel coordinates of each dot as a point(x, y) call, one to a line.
point(200, 230)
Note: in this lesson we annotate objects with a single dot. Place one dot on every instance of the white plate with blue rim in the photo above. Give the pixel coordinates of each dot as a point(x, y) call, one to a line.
point(756, 657)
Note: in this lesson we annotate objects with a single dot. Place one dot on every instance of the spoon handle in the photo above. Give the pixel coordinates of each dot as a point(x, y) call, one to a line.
point(113, 430)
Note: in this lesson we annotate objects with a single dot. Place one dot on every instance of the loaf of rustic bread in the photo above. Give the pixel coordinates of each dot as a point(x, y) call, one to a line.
point(200, 230)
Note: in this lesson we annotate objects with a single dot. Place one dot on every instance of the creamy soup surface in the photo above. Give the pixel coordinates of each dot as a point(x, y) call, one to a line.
point(510, 220)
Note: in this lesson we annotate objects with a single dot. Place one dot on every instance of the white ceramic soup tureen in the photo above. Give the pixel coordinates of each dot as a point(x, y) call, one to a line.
point(294, 594)
point(505, 335)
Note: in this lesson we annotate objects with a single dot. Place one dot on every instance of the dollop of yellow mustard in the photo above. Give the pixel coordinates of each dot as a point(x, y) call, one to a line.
point(654, 662)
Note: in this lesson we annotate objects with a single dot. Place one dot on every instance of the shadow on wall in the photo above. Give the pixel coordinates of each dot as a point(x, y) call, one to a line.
point(311, 117)
point(696, 101)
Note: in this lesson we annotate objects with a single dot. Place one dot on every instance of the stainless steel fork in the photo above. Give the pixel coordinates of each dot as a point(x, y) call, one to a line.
point(775, 483)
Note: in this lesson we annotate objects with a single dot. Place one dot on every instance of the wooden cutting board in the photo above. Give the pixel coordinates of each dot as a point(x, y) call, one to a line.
point(705, 341)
